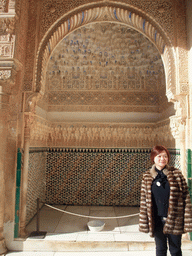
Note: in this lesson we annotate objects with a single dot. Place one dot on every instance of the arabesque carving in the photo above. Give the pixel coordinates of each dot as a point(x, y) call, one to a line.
point(3, 5)
point(7, 6)
point(46, 133)
point(175, 127)
point(178, 121)
point(5, 74)
point(112, 14)
point(7, 26)
point(7, 43)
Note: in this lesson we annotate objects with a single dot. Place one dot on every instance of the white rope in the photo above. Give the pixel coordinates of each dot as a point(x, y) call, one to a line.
point(91, 217)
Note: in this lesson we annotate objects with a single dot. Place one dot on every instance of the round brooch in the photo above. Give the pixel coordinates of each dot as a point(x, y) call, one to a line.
point(158, 183)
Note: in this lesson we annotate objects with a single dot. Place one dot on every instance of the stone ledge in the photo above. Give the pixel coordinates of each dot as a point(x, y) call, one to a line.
point(93, 246)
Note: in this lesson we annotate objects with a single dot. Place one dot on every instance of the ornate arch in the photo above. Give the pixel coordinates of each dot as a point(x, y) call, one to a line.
point(111, 13)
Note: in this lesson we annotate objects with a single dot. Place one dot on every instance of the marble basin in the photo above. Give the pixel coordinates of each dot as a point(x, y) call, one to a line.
point(96, 225)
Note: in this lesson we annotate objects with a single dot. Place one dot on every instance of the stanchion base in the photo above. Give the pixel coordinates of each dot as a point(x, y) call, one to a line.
point(37, 235)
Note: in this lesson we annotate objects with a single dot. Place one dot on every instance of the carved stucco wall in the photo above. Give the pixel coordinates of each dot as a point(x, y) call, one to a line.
point(103, 67)
point(99, 14)
point(160, 14)
point(167, 15)
point(101, 135)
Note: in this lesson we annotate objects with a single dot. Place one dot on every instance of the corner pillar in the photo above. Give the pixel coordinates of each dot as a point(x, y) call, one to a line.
point(24, 182)
point(3, 138)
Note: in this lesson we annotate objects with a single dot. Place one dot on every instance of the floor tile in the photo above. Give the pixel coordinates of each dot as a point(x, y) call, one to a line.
point(133, 237)
point(78, 209)
point(62, 236)
point(106, 254)
point(125, 210)
point(128, 225)
point(30, 253)
point(111, 225)
point(49, 220)
point(70, 224)
point(102, 208)
point(95, 237)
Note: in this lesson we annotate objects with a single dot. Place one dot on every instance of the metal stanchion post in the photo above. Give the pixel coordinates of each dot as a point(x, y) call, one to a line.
point(37, 221)
point(38, 234)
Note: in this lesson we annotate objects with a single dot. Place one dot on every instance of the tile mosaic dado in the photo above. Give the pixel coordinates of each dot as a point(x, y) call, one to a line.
point(93, 177)
point(36, 180)
point(88, 177)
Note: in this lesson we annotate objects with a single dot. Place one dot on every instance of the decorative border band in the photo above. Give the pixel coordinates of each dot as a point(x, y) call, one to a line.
point(98, 150)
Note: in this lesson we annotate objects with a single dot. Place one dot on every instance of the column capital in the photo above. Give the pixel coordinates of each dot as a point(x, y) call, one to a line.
point(177, 125)
point(28, 120)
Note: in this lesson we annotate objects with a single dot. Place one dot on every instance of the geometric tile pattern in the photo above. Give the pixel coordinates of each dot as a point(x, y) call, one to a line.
point(36, 181)
point(175, 159)
point(97, 177)
point(72, 176)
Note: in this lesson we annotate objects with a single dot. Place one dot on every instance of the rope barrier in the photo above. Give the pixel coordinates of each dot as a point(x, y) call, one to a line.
point(91, 217)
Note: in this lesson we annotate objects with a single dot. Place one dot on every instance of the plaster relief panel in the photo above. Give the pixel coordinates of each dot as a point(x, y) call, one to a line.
point(7, 43)
point(161, 10)
point(3, 5)
point(105, 65)
point(46, 133)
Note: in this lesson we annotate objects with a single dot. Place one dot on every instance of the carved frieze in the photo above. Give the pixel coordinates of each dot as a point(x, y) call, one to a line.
point(104, 108)
point(7, 45)
point(46, 133)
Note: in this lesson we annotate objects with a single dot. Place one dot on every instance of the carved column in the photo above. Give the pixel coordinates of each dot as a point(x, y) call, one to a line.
point(24, 179)
point(178, 127)
point(183, 148)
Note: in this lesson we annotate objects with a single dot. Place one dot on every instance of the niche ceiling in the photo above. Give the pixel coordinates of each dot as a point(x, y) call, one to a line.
point(105, 72)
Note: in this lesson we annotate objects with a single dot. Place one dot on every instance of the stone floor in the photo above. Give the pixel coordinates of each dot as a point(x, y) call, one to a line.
point(65, 228)
point(59, 225)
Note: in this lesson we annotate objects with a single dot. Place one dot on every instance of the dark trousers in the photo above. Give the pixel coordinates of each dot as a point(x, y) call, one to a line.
point(161, 240)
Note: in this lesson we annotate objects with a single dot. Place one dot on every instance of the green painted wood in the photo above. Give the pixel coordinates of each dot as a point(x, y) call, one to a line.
point(17, 193)
point(189, 175)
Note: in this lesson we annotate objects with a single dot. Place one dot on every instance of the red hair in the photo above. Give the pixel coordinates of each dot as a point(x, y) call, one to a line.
point(157, 150)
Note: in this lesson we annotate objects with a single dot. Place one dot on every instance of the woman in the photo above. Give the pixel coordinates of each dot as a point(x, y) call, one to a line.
point(165, 206)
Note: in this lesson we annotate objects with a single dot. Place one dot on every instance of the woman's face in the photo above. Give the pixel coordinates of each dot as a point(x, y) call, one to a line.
point(161, 160)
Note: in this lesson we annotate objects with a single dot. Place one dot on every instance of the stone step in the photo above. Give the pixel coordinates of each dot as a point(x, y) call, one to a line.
point(85, 246)
point(129, 253)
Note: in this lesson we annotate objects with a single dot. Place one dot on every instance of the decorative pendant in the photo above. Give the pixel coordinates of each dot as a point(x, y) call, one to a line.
point(158, 183)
